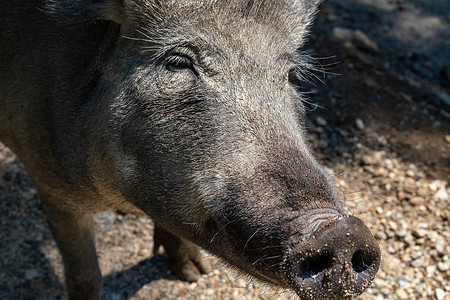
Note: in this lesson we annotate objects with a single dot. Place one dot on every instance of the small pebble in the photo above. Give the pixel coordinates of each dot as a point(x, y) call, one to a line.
point(360, 124)
point(443, 267)
point(401, 233)
point(402, 294)
point(441, 195)
point(418, 263)
point(321, 121)
point(417, 200)
point(447, 138)
point(114, 296)
point(31, 273)
point(440, 294)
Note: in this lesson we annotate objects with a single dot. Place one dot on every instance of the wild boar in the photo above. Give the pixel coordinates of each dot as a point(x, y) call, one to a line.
point(187, 111)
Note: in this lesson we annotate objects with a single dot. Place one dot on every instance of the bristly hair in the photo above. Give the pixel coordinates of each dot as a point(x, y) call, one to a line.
point(296, 14)
point(261, 7)
point(67, 11)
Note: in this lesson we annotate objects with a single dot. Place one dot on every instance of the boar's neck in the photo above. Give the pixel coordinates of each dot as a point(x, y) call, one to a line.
point(52, 70)
point(76, 94)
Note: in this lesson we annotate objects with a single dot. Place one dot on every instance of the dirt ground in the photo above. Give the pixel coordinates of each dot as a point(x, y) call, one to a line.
point(379, 119)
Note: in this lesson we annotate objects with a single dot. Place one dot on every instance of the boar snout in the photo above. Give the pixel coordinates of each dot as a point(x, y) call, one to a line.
point(338, 261)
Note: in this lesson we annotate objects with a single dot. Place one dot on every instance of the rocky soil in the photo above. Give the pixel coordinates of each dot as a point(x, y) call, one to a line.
point(379, 110)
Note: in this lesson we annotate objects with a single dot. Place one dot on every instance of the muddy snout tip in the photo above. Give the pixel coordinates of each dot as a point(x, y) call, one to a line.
point(338, 261)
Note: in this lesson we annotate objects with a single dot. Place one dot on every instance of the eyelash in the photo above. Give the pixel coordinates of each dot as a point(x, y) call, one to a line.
point(180, 61)
point(294, 78)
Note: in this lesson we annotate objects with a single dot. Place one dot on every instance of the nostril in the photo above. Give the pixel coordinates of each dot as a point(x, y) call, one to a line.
point(312, 266)
point(361, 261)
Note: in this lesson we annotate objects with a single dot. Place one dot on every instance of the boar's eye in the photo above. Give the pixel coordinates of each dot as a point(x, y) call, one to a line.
point(179, 61)
point(294, 78)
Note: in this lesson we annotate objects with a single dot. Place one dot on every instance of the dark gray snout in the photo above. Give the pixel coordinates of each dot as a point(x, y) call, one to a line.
point(338, 261)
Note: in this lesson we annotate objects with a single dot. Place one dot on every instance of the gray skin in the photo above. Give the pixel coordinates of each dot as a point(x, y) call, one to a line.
point(186, 111)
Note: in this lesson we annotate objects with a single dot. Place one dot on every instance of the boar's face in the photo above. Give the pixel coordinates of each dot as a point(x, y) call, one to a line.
point(205, 132)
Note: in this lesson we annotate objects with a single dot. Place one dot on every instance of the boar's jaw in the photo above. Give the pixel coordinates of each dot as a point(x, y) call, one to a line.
point(317, 252)
point(338, 260)
point(263, 249)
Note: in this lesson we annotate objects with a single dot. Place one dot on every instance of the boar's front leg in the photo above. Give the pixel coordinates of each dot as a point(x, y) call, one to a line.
point(184, 258)
point(74, 233)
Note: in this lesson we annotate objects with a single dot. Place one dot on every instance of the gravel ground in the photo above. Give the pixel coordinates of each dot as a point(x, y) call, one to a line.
point(384, 132)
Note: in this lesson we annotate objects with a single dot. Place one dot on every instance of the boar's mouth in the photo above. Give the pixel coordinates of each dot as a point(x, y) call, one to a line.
point(338, 260)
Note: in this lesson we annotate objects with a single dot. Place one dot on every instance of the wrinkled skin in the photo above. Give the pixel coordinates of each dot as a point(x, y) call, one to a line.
point(187, 111)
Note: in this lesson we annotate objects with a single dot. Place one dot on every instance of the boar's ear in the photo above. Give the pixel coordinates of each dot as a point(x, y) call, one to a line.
point(308, 7)
point(126, 11)
point(113, 10)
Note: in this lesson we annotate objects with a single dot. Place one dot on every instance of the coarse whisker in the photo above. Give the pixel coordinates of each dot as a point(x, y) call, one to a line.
point(243, 250)
point(345, 173)
point(306, 77)
point(150, 48)
point(378, 195)
point(366, 193)
point(139, 30)
point(355, 192)
point(353, 204)
point(318, 78)
point(313, 104)
point(335, 63)
point(329, 66)
point(271, 290)
point(233, 283)
point(144, 50)
point(314, 59)
point(276, 264)
point(310, 73)
point(320, 58)
point(259, 259)
point(136, 39)
point(308, 65)
point(358, 199)
point(313, 66)
point(324, 71)
point(315, 107)
point(303, 75)
point(244, 294)
point(265, 258)
point(265, 248)
point(215, 235)
point(150, 32)
point(149, 37)
point(309, 77)
point(190, 223)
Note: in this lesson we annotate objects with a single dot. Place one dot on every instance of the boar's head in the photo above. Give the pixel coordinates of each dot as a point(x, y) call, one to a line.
point(201, 126)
